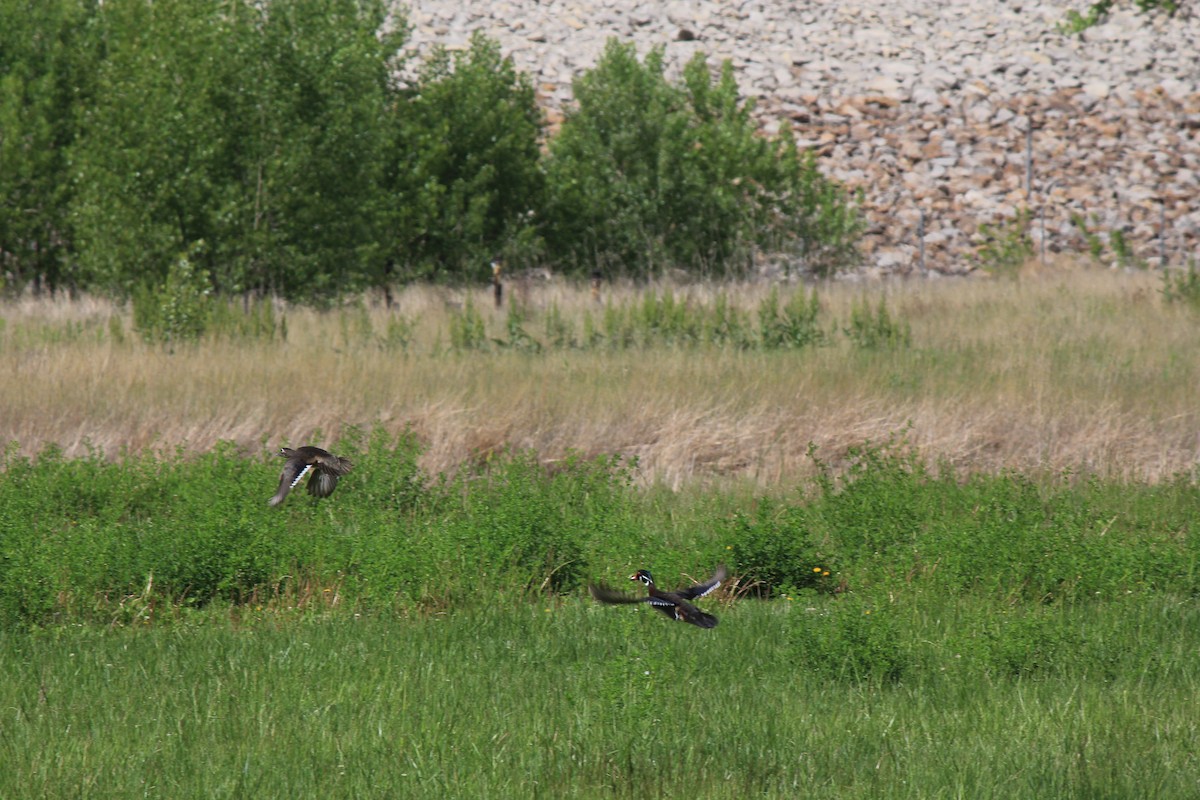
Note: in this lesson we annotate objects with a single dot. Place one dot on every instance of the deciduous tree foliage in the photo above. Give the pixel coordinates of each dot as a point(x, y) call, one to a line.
point(647, 174)
point(258, 131)
point(48, 56)
point(467, 164)
point(273, 146)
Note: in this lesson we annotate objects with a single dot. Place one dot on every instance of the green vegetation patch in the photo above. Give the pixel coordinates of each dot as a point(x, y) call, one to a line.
point(151, 536)
point(921, 697)
point(293, 150)
point(887, 630)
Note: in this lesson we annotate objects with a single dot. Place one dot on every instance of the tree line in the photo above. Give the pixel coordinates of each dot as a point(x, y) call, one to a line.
point(274, 148)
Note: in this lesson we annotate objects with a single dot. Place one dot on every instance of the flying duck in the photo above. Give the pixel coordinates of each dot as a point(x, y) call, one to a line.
point(326, 468)
point(674, 604)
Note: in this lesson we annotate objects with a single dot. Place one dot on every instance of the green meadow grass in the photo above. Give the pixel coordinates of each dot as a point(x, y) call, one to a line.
point(149, 537)
point(571, 699)
point(889, 629)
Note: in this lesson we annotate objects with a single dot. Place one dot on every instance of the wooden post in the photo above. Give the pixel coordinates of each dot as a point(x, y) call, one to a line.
point(497, 284)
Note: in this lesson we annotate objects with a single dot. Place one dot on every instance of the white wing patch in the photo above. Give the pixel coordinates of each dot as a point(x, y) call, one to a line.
point(303, 472)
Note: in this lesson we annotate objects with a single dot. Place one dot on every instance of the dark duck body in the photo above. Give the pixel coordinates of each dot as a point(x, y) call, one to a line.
point(676, 605)
point(325, 469)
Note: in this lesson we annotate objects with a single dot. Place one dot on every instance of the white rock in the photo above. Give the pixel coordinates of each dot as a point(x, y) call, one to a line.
point(1111, 108)
point(884, 85)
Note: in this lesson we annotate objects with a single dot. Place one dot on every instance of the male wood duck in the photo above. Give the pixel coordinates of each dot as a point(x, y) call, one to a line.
point(325, 466)
point(674, 604)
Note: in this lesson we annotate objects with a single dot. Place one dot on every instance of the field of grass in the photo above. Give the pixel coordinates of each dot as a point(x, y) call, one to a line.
point(570, 699)
point(1087, 370)
point(149, 539)
point(961, 524)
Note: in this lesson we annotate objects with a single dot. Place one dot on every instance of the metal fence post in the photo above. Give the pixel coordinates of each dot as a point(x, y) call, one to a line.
point(921, 243)
point(1029, 161)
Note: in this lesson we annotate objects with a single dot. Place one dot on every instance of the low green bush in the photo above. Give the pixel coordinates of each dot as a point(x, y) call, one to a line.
point(875, 329)
point(1007, 245)
point(776, 551)
point(1076, 23)
point(1182, 286)
point(855, 638)
point(467, 331)
point(792, 325)
point(148, 535)
point(178, 310)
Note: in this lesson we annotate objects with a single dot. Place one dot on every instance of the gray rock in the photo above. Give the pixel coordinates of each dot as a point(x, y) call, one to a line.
point(939, 96)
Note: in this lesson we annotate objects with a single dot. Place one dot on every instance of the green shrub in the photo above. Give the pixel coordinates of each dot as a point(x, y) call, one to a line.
point(858, 639)
point(1076, 23)
point(468, 179)
point(878, 503)
point(876, 330)
point(251, 318)
point(1028, 643)
point(560, 333)
point(794, 325)
point(387, 474)
point(1095, 244)
point(775, 551)
point(467, 329)
point(518, 338)
point(647, 175)
point(1120, 247)
point(1006, 246)
point(178, 310)
point(1182, 286)
point(1122, 253)
point(354, 325)
point(532, 525)
point(728, 326)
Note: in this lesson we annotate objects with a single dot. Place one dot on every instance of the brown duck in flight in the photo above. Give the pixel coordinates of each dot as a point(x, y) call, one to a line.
point(326, 468)
point(674, 604)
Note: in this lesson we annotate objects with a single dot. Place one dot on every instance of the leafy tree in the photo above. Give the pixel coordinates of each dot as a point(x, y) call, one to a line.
point(323, 192)
point(466, 176)
point(646, 175)
point(604, 203)
point(48, 56)
point(178, 310)
point(258, 129)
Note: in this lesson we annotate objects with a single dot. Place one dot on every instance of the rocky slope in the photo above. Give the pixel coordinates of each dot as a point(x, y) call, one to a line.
point(940, 111)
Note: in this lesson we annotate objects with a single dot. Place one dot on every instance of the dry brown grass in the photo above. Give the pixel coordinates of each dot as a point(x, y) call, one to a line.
point(1081, 370)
